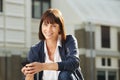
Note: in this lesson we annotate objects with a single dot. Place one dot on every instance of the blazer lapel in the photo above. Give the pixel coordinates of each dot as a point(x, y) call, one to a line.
point(41, 52)
point(62, 52)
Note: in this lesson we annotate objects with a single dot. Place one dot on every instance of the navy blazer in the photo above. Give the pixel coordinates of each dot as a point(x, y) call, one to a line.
point(68, 53)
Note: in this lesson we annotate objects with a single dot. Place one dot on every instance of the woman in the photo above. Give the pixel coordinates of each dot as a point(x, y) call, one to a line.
point(54, 57)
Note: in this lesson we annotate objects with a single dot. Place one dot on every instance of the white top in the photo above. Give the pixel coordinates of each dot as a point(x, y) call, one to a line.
point(51, 74)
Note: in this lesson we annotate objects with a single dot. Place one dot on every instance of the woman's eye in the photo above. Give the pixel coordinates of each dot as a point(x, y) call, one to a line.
point(53, 25)
point(45, 24)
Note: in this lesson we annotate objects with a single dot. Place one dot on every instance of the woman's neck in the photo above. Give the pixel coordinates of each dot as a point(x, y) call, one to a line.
point(51, 45)
point(51, 42)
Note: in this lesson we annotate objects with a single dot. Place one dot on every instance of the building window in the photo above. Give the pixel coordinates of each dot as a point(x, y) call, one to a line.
point(109, 62)
point(39, 6)
point(112, 75)
point(1, 5)
point(106, 61)
point(106, 75)
point(105, 36)
point(101, 75)
point(103, 61)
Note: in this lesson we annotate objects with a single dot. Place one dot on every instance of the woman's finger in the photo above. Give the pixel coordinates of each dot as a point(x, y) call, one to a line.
point(29, 65)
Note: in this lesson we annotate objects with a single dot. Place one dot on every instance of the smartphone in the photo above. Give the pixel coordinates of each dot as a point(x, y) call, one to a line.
point(25, 62)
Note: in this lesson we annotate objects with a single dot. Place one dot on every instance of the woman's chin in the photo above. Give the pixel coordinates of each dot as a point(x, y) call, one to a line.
point(48, 38)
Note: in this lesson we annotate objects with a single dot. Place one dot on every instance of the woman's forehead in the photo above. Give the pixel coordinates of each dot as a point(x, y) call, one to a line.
point(49, 21)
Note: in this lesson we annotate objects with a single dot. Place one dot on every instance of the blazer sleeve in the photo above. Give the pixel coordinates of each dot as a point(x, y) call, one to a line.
point(71, 61)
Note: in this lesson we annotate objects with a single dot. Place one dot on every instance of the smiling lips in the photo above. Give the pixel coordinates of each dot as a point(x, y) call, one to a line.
point(48, 34)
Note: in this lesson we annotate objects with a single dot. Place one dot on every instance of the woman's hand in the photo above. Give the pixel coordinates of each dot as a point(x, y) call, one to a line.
point(33, 68)
point(27, 76)
point(36, 67)
point(23, 70)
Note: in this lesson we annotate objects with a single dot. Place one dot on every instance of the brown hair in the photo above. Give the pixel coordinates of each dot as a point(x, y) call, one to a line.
point(52, 16)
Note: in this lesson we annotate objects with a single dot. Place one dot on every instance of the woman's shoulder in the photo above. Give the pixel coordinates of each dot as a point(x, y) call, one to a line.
point(34, 51)
point(37, 45)
point(70, 37)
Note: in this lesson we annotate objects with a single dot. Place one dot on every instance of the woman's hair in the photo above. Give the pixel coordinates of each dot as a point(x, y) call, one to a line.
point(52, 16)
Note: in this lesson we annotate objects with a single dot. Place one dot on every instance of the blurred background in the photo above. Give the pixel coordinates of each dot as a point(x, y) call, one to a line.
point(95, 24)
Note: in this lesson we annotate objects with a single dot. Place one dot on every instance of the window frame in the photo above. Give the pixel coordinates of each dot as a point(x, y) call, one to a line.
point(103, 61)
point(108, 61)
point(41, 7)
point(1, 5)
point(99, 72)
point(105, 36)
point(107, 73)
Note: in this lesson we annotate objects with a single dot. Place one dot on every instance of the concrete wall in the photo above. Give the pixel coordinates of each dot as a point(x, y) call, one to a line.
point(85, 64)
point(118, 41)
point(119, 69)
point(10, 68)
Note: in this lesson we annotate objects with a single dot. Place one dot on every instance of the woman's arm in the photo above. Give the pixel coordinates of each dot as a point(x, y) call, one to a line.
point(29, 77)
point(71, 61)
point(36, 67)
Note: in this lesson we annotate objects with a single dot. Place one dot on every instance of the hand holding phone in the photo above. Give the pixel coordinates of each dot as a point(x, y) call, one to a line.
point(25, 62)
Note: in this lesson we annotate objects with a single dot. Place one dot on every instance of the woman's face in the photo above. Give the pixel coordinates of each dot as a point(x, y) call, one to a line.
point(50, 31)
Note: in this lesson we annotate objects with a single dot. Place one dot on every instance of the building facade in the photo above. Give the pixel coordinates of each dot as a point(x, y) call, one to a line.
point(95, 25)
point(101, 58)
point(15, 36)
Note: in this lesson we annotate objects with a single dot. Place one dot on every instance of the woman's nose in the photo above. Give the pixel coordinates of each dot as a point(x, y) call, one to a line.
point(49, 28)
